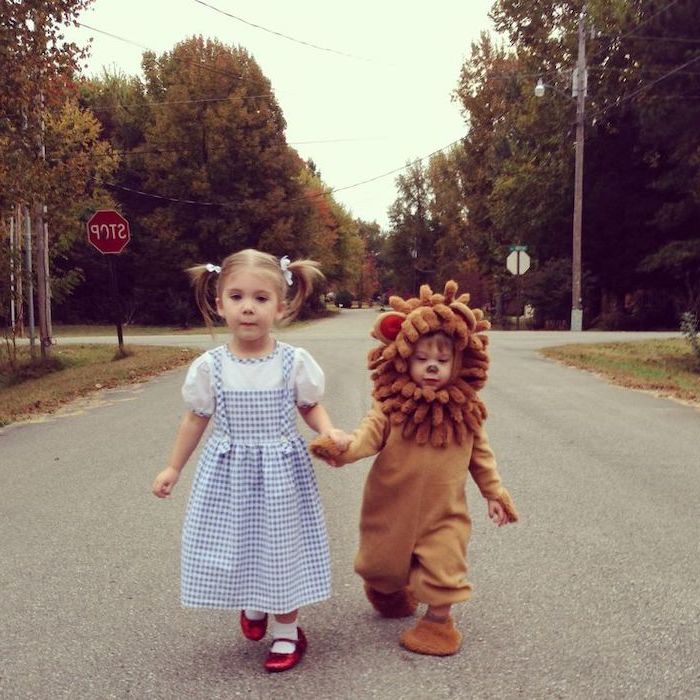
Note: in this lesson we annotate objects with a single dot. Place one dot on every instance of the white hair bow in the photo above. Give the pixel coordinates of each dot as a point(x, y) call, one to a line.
point(284, 264)
point(212, 268)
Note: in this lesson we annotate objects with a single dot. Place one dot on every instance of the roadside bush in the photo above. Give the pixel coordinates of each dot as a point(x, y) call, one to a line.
point(614, 321)
point(344, 298)
point(689, 328)
point(313, 307)
point(548, 289)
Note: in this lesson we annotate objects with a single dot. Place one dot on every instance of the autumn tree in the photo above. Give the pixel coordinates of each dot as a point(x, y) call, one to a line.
point(50, 149)
point(370, 285)
point(205, 169)
point(38, 65)
point(517, 165)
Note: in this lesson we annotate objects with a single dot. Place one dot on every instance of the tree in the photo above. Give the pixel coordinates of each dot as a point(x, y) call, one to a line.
point(205, 170)
point(411, 246)
point(38, 65)
point(204, 127)
point(448, 214)
point(321, 226)
point(676, 266)
point(78, 161)
point(369, 285)
point(640, 174)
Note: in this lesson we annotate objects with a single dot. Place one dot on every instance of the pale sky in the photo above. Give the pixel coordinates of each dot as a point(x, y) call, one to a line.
point(387, 103)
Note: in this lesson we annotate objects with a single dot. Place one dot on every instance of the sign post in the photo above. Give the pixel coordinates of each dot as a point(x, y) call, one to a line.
point(518, 263)
point(109, 232)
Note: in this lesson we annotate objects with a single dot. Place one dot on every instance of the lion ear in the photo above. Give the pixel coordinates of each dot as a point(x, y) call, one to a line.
point(387, 326)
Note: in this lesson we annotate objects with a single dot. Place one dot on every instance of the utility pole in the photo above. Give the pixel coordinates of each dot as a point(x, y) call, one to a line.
point(579, 92)
point(13, 291)
point(42, 250)
point(30, 279)
point(43, 290)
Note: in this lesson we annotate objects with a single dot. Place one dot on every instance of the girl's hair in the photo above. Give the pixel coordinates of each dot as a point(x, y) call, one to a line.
point(304, 272)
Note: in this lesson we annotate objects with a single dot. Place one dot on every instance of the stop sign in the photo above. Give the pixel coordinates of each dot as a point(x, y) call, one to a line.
point(108, 231)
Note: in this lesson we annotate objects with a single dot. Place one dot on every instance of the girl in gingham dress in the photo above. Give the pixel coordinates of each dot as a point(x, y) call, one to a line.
point(254, 536)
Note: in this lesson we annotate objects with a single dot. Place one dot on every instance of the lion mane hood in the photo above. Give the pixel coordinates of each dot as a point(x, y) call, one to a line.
point(449, 414)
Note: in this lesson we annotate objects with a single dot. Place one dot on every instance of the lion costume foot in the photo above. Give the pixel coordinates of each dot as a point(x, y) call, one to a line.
point(434, 638)
point(399, 604)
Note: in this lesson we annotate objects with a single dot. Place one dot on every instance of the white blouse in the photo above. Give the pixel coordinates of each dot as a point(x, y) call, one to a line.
point(306, 378)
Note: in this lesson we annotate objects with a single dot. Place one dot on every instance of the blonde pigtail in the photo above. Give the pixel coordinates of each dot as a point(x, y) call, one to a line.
point(306, 274)
point(200, 278)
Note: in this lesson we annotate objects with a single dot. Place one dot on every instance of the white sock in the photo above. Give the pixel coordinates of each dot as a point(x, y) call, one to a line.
point(254, 614)
point(286, 631)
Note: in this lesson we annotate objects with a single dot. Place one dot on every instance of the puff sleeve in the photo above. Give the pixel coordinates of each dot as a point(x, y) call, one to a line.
point(197, 390)
point(309, 380)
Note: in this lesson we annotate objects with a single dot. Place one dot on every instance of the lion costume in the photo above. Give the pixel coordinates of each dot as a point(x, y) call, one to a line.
point(414, 524)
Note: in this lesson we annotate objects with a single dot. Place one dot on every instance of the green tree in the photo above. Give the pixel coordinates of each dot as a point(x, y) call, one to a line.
point(676, 266)
point(205, 134)
point(38, 66)
point(640, 173)
point(411, 249)
point(37, 69)
point(369, 285)
point(78, 161)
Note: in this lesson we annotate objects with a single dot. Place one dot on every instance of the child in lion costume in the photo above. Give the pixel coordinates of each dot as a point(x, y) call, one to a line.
point(426, 428)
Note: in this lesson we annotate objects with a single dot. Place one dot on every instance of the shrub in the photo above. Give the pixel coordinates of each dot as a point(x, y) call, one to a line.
point(689, 328)
point(344, 298)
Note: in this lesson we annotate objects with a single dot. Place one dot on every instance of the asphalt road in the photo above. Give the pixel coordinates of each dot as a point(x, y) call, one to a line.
point(593, 594)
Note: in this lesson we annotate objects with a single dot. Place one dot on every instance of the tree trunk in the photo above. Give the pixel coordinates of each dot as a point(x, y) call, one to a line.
point(43, 291)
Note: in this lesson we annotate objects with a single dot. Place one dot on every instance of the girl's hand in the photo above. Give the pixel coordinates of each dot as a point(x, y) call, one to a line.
point(341, 439)
point(165, 481)
point(329, 445)
point(497, 513)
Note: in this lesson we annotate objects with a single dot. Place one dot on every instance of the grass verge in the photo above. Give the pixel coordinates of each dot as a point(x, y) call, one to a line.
point(32, 388)
point(664, 367)
point(76, 331)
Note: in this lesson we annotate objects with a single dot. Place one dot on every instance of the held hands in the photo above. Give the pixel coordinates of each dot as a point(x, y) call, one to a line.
point(329, 445)
point(165, 482)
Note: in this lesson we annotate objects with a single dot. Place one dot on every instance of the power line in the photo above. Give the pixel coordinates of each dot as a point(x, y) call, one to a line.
point(635, 69)
point(646, 86)
point(154, 195)
point(639, 25)
point(673, 71)
point(152, 103)
point(157, 150)
point(396, 170)
point(203, 66)
point(665, 8)
point(279, 34)
point(322, 193)
point(113, 36)
point(679, 39)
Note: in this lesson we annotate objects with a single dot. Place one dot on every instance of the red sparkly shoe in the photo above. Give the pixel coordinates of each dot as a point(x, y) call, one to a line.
point(283, 662)
point(253, 629)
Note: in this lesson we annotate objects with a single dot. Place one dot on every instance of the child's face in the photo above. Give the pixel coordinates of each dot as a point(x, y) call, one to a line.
point(432, 362)
point(250, 305)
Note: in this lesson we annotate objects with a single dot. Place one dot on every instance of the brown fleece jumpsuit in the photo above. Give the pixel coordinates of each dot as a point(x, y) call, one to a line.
point(414, 526)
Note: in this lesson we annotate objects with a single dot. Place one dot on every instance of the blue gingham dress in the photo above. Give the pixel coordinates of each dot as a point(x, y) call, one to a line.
point(254, 534)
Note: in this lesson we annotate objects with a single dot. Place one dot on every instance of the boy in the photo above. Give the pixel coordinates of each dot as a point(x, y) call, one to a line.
point(426, 429)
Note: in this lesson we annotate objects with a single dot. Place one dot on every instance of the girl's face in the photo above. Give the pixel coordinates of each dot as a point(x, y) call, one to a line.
point(250, 305)
point(432, 361)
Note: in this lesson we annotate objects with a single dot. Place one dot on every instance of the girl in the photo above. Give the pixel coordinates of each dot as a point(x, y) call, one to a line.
point(254, 536)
